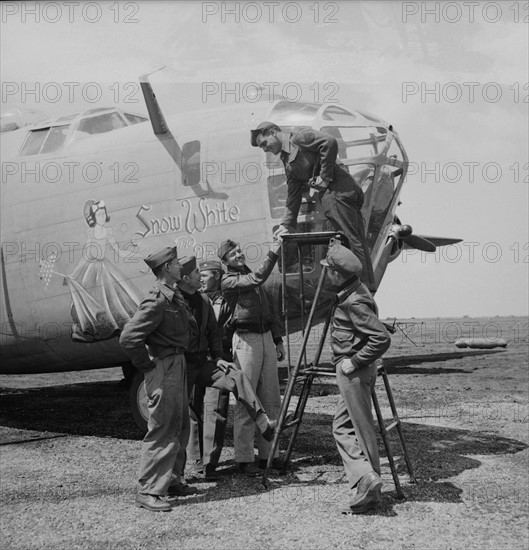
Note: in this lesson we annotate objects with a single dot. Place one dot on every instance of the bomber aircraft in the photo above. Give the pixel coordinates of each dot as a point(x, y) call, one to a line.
point(85, 197)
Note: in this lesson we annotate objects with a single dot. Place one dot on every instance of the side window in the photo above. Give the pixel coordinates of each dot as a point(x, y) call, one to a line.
point(277, 194)
point(277, 197)
point(191, 163)
point(101, 124)
point(380, 200)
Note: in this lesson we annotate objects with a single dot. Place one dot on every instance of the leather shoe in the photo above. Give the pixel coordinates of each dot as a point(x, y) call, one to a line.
point(249, 469)
point(154, 503)
point(277, 463)
point(180, 489)
point(368, 493)
point(211, 473)
point(268, 434)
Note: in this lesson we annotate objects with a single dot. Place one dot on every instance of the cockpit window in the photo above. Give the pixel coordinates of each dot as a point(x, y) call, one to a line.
point(338, 114)
point(70, 128)
point(34, 141)
point(101, 124)
point(45, 140)
point(294, 111)
point(355, 142)
point(135, 119)
point(67, 118)
point(55, 139)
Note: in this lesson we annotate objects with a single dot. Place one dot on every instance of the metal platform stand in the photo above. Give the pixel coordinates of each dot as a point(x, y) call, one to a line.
point(304, 374)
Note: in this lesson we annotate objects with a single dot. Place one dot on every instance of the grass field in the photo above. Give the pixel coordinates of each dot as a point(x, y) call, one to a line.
point(69, 452)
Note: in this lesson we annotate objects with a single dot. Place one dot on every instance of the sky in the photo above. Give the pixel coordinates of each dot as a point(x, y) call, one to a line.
point(451, 78)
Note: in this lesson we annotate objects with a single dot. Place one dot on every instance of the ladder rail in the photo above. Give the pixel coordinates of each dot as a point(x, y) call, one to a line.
point(396, 422)
point(309, 373)
point(291, 382)
point(285, 305)
point(305, 392)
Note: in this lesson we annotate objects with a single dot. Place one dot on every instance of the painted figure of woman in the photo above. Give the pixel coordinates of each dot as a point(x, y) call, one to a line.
point(103, 299)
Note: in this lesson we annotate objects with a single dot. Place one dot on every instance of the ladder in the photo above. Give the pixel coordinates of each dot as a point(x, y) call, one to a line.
point(305, 374)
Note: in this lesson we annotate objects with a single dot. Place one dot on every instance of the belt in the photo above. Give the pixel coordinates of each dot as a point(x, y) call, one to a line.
point(170, 351)
point(248, 327)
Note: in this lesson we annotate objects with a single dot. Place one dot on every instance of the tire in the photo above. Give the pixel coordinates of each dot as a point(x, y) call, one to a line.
point(138, 401)
point(128, 373)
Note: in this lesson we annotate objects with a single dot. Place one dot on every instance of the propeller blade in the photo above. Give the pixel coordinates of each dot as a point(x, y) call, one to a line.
point(418, 242)
point(441, 241)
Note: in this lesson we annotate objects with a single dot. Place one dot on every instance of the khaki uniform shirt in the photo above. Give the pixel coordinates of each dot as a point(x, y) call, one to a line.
point(162, 323)
point(357, 333)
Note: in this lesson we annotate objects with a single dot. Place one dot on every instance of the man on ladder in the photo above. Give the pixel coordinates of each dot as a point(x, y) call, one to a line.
point(358, 339)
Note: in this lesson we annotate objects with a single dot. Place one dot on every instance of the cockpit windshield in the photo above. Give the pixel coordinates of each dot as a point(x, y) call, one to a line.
point(58, 133)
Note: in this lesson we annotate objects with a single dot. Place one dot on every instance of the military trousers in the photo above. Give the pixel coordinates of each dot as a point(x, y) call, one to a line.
point(208, 418)
point(256, 355)
point(202, 372)
point(167, 426)
point(341, 205)
point(353, 426)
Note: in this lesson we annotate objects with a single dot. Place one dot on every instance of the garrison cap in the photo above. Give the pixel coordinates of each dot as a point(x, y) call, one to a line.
point(225, 247)
point(189, 263)
point(342, 259)
point(262, 129)
point(161, 256)
point(213, 265)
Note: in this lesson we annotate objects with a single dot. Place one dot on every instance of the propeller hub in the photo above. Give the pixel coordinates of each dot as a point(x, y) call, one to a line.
point(405, 231)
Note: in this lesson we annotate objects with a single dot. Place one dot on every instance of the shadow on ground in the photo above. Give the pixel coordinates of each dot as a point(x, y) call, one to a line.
point(102, 409)
point(437, 454)
point(98, 409)
point(399, 365)
point(404, 364)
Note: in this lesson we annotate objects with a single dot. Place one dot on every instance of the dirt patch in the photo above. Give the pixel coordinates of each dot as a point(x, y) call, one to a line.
point(69, 456)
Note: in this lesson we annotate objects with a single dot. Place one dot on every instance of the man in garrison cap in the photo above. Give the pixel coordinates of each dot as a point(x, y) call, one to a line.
point(257, 346)
point(207, 366)
point(310, 158)
point(210, 404)
point(155, 339)
point(358, 339)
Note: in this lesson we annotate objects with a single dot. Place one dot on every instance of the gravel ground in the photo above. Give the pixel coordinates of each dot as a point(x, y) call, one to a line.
point(68, 459)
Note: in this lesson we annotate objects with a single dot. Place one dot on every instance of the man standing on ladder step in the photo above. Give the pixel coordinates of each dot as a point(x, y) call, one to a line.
point(358, 339)
point(310, 157)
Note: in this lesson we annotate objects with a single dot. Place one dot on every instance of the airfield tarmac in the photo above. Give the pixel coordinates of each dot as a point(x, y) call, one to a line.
point(69, 452)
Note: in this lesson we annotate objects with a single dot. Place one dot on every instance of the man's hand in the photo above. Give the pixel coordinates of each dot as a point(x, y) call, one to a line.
point(281, 230)
point(225, 366)
point(318, 184)
point(280, 350)
point(347, 366)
